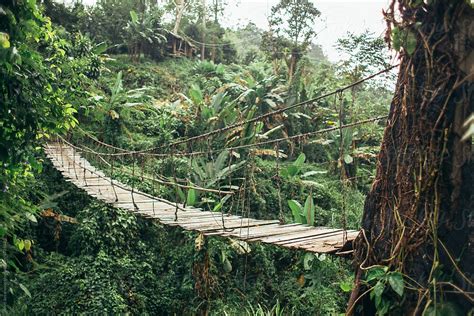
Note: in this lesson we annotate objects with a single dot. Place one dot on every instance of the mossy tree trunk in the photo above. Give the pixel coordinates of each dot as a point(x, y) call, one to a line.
point(418, 216)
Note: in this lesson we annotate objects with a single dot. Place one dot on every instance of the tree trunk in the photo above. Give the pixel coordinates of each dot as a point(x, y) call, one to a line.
point(418, 216)
point(203, 45)
point(180, 8)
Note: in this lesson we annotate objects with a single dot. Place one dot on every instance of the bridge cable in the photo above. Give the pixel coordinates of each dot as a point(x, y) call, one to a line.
point(86, 149)
point(267, 142)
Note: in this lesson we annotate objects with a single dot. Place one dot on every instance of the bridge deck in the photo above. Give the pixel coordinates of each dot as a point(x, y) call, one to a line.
point(79, 171)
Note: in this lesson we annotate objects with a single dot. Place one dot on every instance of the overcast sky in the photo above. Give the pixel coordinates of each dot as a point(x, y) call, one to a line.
point(337, 18)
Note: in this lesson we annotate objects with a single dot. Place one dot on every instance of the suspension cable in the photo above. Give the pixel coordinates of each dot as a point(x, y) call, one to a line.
point(268, 142)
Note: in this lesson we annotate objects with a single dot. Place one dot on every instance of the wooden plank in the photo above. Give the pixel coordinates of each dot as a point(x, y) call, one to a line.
point(310, 239)
point(291, 236)
point(160, 208)
point(281, 230)
point(324, 246)
point(235, 232)
point(201, 214)
point(258, 232)
point(316, 239)
point(169, 213)
point(213, 221)
point(129, 203)
point(253, 223)
point(329, 241)
point(231, 223)
point(198, 220)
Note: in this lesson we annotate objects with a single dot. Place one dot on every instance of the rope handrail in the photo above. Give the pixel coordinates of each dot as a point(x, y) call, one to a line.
point(124, 187)
point(199, 153)
point(197, 188)
point(255, 119)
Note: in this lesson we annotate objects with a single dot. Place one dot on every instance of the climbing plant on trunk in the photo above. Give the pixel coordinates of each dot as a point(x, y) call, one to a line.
point(414, 254)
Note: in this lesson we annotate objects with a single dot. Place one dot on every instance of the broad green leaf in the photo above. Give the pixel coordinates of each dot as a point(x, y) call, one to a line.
point(300, 160)
point(195, 94)
point(378, 289)
point(134, 16)
point(296, 210)
point(25, 290)
point(309, 210)
point(21, 245)
point(227, 265)
point(382, 306)
point(181, 195)
point(4, 40)
point(192, 198)
point(308, 260)
point(100, 48)
point(292, 170)
point(396, 282)
point(27, 245)
point(345, 286)
point(375, 274)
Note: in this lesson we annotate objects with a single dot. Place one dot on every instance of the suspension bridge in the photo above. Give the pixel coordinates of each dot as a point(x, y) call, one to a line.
point(70, 159)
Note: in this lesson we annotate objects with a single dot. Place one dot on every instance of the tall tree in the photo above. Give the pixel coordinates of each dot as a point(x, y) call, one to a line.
point(294, 19)
point(415, 249)
point(217, 9)
point(180, 7)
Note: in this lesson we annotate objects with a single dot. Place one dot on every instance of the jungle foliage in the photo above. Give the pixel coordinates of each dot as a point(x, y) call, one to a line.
point(106, 260)
point(103, 73)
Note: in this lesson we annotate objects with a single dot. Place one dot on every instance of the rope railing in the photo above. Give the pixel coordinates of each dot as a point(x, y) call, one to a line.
point(267, 142)
point(160, 181)
point(115, 183)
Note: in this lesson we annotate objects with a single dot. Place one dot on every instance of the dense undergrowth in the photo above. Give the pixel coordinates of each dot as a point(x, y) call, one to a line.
point(114, 262)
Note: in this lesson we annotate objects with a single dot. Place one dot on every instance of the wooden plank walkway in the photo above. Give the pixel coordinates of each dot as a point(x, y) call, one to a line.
point(79, 171)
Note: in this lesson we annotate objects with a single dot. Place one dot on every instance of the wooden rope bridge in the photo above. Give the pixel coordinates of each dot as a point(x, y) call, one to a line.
point(80, 172)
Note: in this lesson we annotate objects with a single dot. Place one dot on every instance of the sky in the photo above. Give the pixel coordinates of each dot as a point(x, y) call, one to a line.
point(337, 18)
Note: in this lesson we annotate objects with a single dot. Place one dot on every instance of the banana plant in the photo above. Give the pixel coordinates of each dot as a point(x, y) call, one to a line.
point(141, 31)
point(121, 99)
point(303, 214)
point(293, 172)
point(208, 173)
